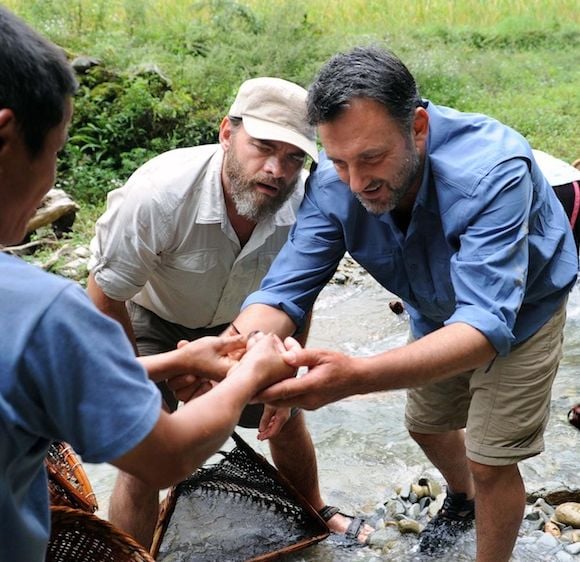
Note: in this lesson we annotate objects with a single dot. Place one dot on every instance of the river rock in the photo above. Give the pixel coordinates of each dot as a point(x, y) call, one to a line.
point(571, 535)
point(409, 526)
point(383, 536)
point(573, 548)
point(569, 514)
point(553, 529)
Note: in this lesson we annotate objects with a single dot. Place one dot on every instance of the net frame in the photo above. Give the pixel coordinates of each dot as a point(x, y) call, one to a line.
point(287, 499)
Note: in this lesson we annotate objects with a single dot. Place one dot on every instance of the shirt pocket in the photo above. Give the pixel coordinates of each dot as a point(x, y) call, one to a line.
point(196, 261)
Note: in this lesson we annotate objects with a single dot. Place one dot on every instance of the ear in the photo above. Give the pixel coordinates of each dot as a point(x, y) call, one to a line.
point(8, 127)
point(225, 134)
point(421, 128)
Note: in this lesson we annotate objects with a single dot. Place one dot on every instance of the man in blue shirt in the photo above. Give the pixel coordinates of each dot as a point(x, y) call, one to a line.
point(68, 372)
point(450, 212)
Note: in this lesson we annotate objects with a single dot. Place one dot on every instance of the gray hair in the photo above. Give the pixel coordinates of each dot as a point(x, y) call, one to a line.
point(364, 72)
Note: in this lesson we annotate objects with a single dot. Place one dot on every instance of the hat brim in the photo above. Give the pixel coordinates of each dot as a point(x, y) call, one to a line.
point(266, 130)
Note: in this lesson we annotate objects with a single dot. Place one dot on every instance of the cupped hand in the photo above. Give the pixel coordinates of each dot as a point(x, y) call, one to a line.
point(272, 421)
point(330, 377)
point(263, 361)
point(210, 357)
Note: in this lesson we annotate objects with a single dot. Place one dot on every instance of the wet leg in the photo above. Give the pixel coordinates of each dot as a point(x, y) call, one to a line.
point(294, 455)
point(447, 452)
point(497, 527)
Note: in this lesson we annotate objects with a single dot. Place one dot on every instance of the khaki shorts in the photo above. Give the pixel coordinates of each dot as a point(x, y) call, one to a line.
point(156, 335)
point(503, 406)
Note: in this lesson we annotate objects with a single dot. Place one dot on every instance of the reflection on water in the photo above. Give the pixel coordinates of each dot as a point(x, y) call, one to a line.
point(363, 449)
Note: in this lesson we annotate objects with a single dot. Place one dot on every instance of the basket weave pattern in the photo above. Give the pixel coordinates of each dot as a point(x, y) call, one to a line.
point(79, 536)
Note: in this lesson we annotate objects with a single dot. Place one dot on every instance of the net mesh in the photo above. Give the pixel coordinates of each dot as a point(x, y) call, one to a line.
point(238, 509)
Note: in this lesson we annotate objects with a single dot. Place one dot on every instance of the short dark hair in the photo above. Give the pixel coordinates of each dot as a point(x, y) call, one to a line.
point(364, 72)
point(35, 79)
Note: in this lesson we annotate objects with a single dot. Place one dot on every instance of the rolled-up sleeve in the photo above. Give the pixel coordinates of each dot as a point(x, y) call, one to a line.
point(489, 272)
point(129, 239)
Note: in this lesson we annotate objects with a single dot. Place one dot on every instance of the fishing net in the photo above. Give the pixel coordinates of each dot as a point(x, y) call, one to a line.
point(238, 509)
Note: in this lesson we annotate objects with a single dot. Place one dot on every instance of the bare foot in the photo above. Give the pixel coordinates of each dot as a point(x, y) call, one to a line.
point(339, 523)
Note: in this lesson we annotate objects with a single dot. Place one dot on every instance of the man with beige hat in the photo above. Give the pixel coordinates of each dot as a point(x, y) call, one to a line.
point(187, 238)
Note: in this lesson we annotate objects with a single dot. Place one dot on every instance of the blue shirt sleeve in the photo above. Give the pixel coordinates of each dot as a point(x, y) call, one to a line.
point(489, 272)
point(81, 378)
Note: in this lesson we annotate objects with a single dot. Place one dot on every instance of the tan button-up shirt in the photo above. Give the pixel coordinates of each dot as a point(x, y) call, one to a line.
point(166, 243)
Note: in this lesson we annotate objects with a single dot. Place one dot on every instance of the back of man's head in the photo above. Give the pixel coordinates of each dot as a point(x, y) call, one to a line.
point(364, 72)
point(275, 109)
point(35, 79)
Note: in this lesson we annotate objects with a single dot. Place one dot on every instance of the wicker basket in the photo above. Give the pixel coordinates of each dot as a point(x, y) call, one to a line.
point(79, 536)
point(240, 509)
point(68, 483)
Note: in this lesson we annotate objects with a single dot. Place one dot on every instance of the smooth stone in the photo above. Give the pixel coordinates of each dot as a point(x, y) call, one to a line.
point(435, 506)
point(413, 497)
point(573, 548)
point(410, 526)
point(382, 536)
point(548, 541)
point(414, 511)
point(569, 514)
point(405, 491)
point(553, 529)
point(571, 535)
point(533, 516)
point(542, 505)
point(562, 556)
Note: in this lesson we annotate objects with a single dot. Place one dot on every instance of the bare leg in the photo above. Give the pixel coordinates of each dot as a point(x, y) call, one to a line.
point(294, 455)
point(447, 452)
point(497, 528)
point(134, 508)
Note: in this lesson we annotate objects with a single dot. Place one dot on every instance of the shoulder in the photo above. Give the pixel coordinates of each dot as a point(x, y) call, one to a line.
point(465, 148)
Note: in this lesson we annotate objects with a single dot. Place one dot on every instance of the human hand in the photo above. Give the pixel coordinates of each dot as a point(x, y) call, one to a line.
point(207, 358)
point(330, 377)
point(272, 421)
point(262, 361)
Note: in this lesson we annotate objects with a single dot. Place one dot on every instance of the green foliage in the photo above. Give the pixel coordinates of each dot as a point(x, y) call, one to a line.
point(170, 68)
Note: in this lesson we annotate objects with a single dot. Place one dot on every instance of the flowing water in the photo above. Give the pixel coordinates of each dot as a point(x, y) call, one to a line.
point(363, 450)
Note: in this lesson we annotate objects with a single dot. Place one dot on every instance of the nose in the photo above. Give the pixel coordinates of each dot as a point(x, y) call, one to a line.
point(356, 179)
point(274, 166)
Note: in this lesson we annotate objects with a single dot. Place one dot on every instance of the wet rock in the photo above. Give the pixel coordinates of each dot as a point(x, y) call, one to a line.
point(435, 506)
point(396, 307)
point(82, 63)
point(571, 536)
point(383, 536)
point(563, 556)
point(551, 528)
point(555, 494)
point(569, 514)
point(409, 526)
point(548, 541)
point(573, 548)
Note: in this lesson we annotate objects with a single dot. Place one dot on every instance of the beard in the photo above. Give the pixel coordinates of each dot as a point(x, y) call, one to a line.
point(398, 188)
point(249, 202)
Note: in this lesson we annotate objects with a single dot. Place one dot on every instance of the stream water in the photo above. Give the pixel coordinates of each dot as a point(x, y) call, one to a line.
point(363, 450)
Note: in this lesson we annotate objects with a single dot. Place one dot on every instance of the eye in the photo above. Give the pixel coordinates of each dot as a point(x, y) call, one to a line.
point(297, 158)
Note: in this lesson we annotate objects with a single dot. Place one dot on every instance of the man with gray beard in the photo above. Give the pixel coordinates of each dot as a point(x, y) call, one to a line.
point(187, 238)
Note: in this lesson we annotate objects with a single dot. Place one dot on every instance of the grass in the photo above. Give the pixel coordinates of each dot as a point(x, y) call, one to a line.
point(515, 60)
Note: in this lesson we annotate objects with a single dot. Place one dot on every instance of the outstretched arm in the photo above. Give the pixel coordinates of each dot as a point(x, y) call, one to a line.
point(333, 375)
point(182, 441)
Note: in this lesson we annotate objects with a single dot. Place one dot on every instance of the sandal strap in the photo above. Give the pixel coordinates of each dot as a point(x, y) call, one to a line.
point(328, 511)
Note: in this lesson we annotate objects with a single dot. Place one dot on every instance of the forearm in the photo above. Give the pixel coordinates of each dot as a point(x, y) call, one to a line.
point(112, 308)
point(184, 440)
point(264, 318)
point(442, 354)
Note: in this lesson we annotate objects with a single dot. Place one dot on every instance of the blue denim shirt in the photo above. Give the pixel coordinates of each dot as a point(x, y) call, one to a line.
point(488, 243)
